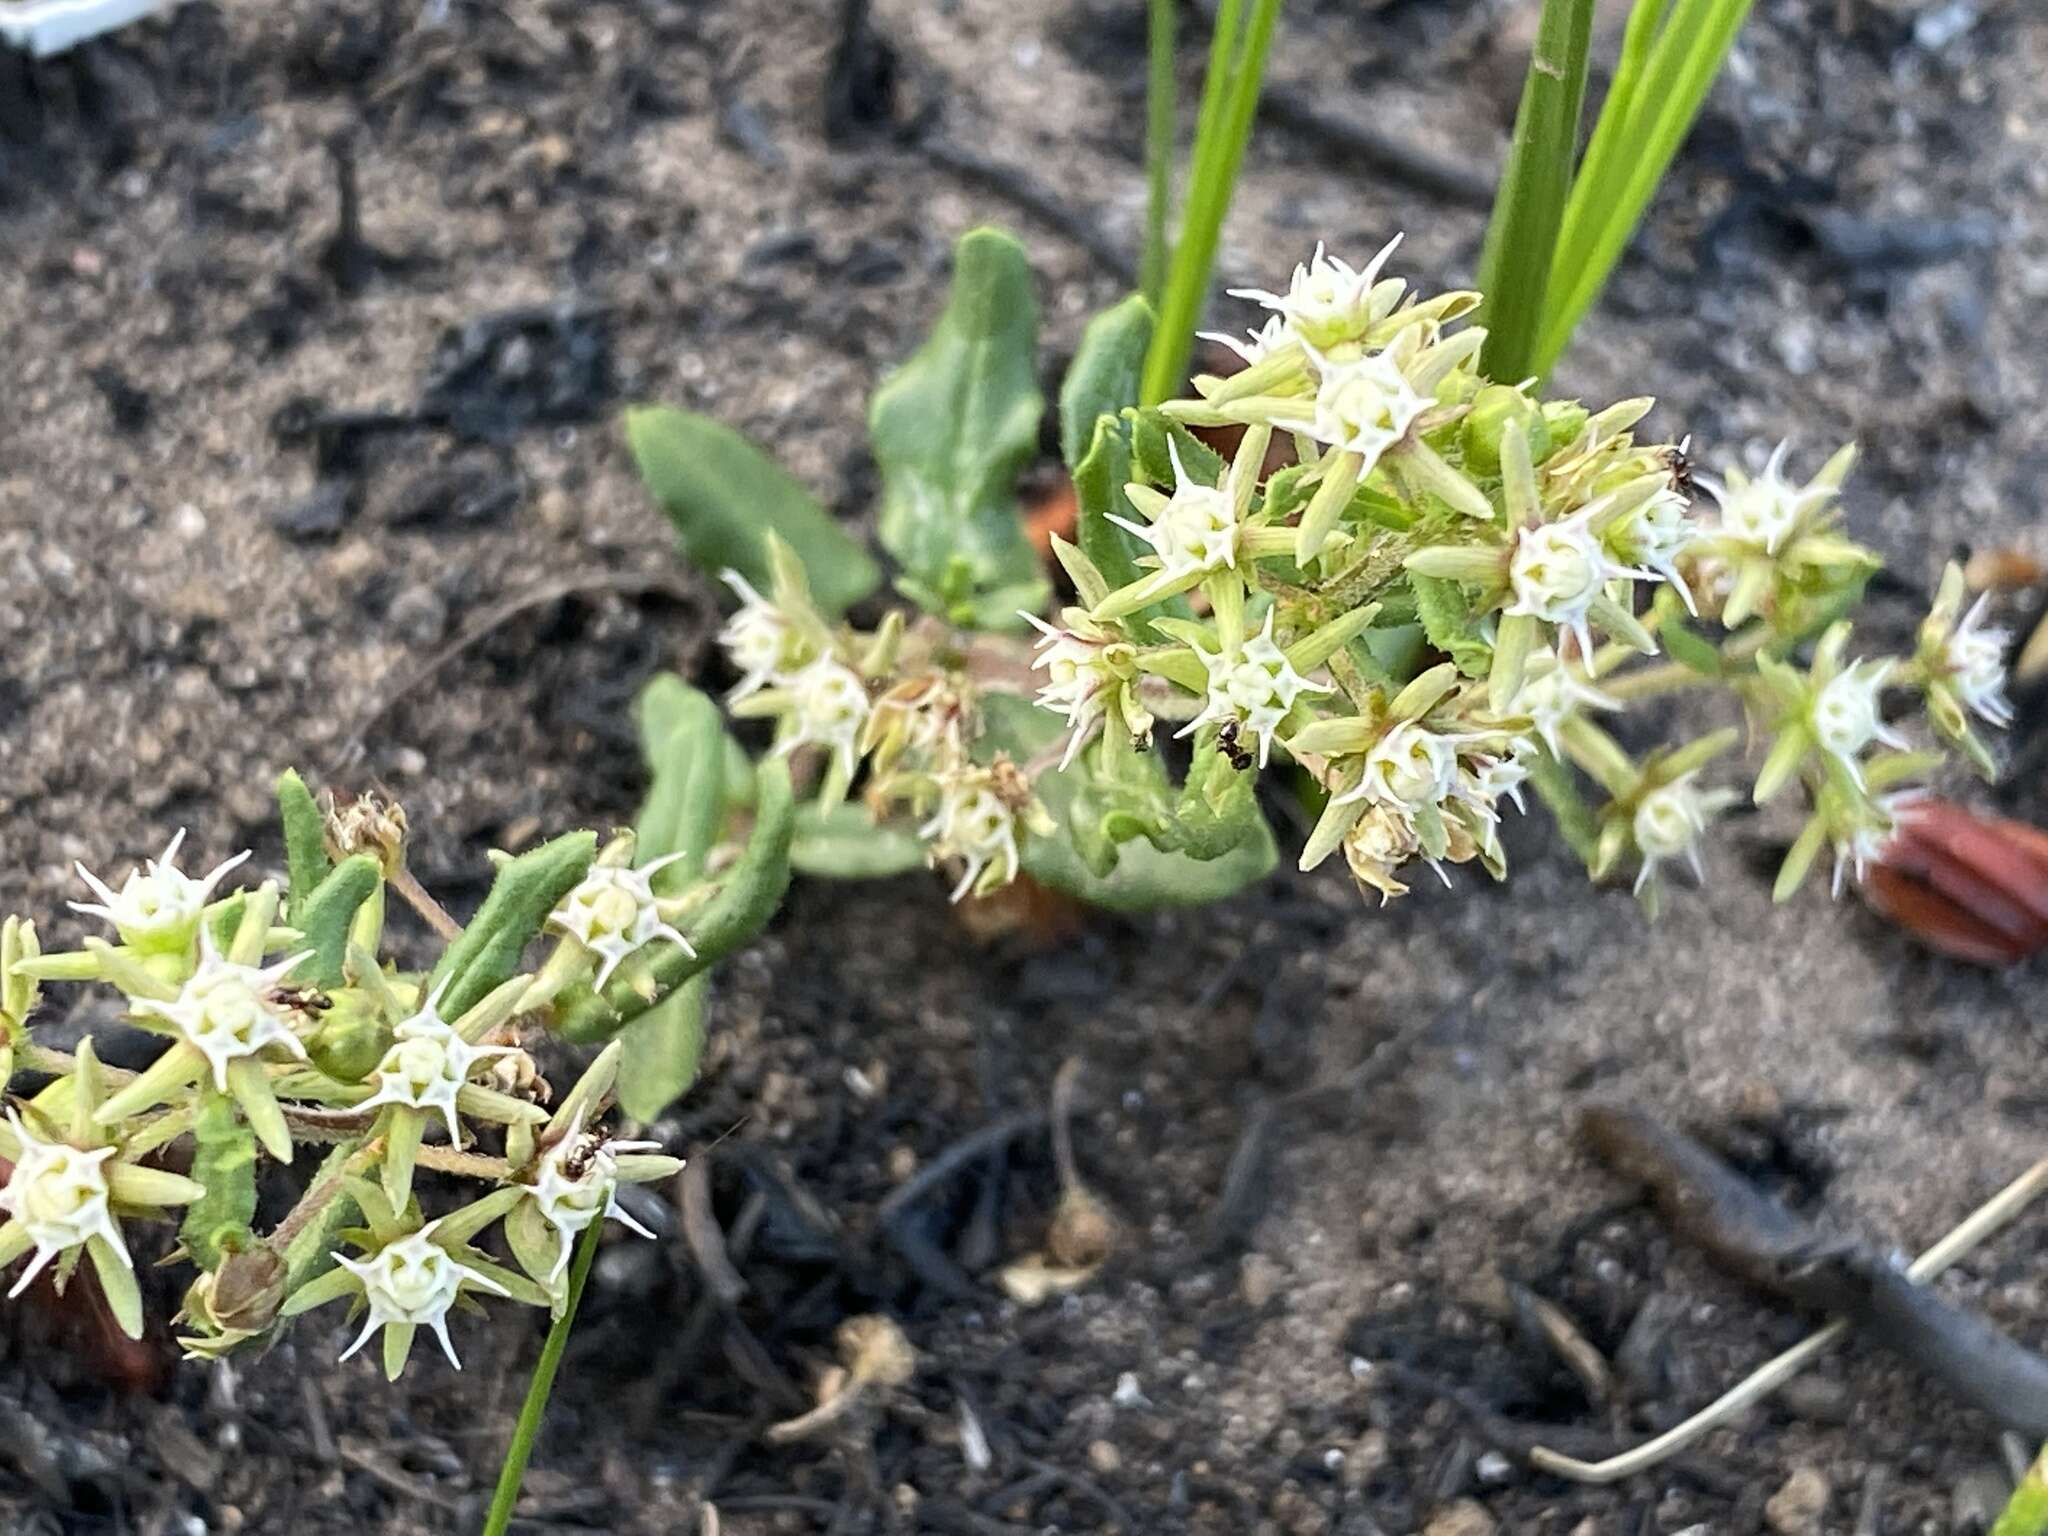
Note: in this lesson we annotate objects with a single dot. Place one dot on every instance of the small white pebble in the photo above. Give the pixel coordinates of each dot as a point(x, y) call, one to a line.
point(1128, 1393)
point(1493, 1467)
point(1361, 1368)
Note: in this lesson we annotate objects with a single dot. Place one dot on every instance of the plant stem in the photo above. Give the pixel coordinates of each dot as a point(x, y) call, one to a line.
point(1159, 135)
point(1529, 208)
point(527, 1431)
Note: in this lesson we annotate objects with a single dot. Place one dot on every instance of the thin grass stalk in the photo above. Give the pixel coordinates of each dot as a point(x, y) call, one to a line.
point(535, 1408)
point(1160, 27)
point(1683, 60)
point(1230, 97)
point(1529, 206)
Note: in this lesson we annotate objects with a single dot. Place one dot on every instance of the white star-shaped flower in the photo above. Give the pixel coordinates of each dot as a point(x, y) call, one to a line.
point(578, 1183)
point(1328, 301)
point(1669, 823)
point(756, 638)
point(413, 1280)
point(428, 1064)
point(1077, 683)
point(1660, 531)
point(58, 1195)
point(1410, 767)
point(973, 825)
point(1766, 512)
point(1975, 659)
point(1258, 345)
point(1255, 685)
point(158, 905)
point(1559, 569)
point(830, 704)
point(1362, 405)
point(1194, 529)
point(613, 912)
point(1551, 697)
point(1847, 718)
point(224, 1010)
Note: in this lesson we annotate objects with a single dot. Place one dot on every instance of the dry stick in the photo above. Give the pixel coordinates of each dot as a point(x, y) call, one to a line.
point(1979, 1225)
point(421, 901)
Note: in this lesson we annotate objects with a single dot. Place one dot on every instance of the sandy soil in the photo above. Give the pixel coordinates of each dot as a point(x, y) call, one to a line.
point(1853, 245)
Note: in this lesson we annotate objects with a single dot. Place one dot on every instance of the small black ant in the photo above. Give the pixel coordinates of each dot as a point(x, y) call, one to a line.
point(1679, 462)
point(1228, 744)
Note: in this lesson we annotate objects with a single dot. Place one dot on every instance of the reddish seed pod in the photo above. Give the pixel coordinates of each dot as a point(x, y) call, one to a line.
point(1973, 887)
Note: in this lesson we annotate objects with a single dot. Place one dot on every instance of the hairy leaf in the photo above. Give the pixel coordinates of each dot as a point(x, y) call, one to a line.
point(325, 913)
point(1103, 379)
point(684, 740)
point(1086, 860)
point(305, 839)
point(725, 496)
point(1440, 605)
point(951, 429)
point(224, 1161)
point(845, 844)
point(527, 889)
point(662, 1050)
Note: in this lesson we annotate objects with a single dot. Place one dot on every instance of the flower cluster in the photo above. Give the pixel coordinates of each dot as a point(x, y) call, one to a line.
point(281, 1028)
point(1423, 587)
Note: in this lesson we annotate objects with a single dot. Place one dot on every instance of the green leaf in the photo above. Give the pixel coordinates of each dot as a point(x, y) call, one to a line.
point(305, 839)
point(1083, 859)
point(725, 496)
point(953, 426)
point(1689, 648)
point(1103, 379)
point(1528, 208)
point(224, 1161)
point(1149, 433)
point(844, 843)
point(527, 889)
point(748, 896)
point(325, 913)
point(663, 1048)
point(1440, 605)
point(683, 737)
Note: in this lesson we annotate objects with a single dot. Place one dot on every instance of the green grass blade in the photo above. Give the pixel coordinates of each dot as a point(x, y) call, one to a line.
point(1660, 108)
point(1529, 207)
point(1230, 99)
point(1159, 135)
point(535, 1408)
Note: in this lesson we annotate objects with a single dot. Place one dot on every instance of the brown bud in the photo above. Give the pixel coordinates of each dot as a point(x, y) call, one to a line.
point(1973, 887)
point(367, 823)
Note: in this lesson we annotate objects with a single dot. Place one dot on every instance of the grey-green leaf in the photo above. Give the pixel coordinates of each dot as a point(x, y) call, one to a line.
point(845, 844)
point(324, 916)
point(224, 1161)
point(1104, 377)
point(1141, 878)
point(684, 739)
point(953, 426)
point(305, 838)
point(663, 1048)
point(725, 496)
point(486, 954)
